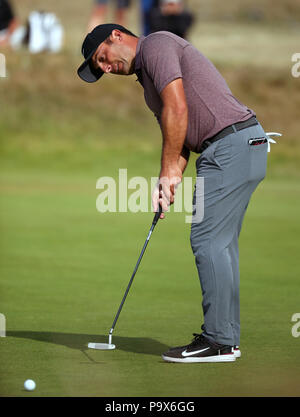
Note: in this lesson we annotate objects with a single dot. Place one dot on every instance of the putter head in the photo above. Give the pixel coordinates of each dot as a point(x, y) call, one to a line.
point(101, 346)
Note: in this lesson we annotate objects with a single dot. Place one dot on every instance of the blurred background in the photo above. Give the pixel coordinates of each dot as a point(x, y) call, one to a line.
point(61, 260)
point(45, 106)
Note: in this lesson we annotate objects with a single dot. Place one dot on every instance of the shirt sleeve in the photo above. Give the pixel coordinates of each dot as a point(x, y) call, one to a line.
point(161, 59)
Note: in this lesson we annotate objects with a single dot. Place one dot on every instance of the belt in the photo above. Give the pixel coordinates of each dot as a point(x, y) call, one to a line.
point(228, 130)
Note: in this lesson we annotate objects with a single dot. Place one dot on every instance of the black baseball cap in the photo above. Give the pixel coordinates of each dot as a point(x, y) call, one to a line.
point(86, 71)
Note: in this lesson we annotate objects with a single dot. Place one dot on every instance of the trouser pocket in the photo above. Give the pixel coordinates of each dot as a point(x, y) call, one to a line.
point(258, 160)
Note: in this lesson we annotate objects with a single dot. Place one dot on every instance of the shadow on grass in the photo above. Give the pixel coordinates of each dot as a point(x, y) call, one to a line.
point(142, 345)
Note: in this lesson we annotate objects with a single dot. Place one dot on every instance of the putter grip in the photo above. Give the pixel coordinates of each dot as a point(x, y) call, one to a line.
point(157, 215)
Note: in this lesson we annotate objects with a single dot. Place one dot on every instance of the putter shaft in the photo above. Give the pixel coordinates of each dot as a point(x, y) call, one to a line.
point(155, 220)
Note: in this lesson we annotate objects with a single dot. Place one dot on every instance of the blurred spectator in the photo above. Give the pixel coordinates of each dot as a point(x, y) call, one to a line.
point(8, 22)
point(41, 33)
point(100, 10)
point(44, 32)
point(146, 7)
point(170, 15)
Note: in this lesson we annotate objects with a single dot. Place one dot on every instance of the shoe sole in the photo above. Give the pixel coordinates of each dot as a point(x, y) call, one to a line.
point(217, 358)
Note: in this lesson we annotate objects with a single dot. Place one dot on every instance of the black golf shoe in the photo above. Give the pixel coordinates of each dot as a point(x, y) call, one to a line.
point(200, 350)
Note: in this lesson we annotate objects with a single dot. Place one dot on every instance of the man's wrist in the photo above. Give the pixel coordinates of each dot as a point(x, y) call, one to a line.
point(169, 161)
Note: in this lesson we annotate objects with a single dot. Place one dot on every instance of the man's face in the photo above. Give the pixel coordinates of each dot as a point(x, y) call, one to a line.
point(115, 57)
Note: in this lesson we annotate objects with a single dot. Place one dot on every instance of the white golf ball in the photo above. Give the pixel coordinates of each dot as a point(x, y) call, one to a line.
point(29, 385)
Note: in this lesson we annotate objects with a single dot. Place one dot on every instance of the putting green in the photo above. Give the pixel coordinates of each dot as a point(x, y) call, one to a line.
point(65, 267)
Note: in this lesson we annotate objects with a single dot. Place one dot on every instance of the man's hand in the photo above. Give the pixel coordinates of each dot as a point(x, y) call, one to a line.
point(169, 179)
point(169, 182)
point(165, 189)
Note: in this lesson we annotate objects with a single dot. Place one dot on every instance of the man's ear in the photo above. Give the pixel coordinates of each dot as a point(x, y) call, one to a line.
point(116, 35)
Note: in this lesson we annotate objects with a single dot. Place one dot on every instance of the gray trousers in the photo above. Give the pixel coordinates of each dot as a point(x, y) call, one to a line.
point(231, 169)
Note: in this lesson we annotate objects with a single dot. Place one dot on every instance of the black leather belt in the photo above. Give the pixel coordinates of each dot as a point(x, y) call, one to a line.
point(228, 130)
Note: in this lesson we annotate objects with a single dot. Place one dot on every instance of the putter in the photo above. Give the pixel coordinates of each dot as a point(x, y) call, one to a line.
point(110, 345)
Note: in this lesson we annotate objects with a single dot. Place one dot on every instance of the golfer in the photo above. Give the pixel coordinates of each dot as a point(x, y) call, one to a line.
point(197, 113)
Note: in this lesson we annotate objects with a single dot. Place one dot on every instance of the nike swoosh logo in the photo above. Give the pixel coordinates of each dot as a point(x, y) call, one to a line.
point(185, 353)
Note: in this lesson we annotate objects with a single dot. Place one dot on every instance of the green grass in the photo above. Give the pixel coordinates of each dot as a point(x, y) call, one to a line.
point(65, 267)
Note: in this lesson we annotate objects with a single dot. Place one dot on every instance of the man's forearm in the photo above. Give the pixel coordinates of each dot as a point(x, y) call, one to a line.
point(174, 123)
point(174, 128)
